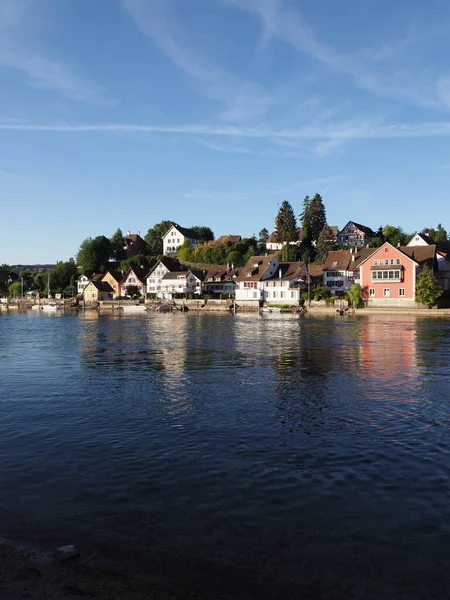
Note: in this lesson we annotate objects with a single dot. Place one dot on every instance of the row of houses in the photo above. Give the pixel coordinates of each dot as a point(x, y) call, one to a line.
point(386, 274)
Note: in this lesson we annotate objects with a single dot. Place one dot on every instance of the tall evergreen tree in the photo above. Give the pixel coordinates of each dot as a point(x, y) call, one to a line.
point(286, 224)
point(428, 289)
point(118, 252)
point(305, 218)
point(441, 234)
point(317, 217)
point(325, 243)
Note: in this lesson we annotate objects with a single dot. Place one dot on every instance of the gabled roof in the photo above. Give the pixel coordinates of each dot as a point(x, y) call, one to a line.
point(337, 260)
point(361, 256)
point(172, 264)
point(426, 238)
point(101, 286)
point(367, 230)
point(421, 254)
point(188, 233)
point(216, 271)
point(375, 250)
point(134, 244)
point(287, 271)
point(138, 271)
point(316, 270)
point(96, 277)
point(116, 275)
point(255, 268)
point(175, 274)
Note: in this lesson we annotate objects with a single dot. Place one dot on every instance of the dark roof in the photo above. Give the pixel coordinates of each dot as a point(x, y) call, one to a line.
point(188, 233)
point(217, 271)
point(316, 270)
point(360, 256)
point(117, 275)
point(369, 232)
point(174, 275)
point(102, 286)
point(337, 259)
point(138, 271)
point(421, 254)
point(255, 268)
point(96, 276)
point(198, 273)
point(287, 271)
point(134, 244)
point(172, 264)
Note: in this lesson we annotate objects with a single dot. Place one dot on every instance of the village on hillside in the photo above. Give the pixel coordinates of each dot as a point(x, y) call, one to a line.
point(285, 268)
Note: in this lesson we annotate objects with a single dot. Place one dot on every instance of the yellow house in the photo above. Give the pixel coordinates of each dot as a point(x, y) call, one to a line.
point(98, 290)
point(113, 278)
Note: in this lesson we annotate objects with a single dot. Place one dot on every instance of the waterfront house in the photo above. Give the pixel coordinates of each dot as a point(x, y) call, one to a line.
point(248, 281)
point(341, 269)
point(182, 283)
point(133, 282)
point(286, 285)
point(176, 236)
point(82, 282)
point(420, 239)
point(134, 244)
point(113, 278)
point(219, 280)
point(97, 290)
point(156, 273)
point(389, 275)
point(442, 255)
point(355, 235)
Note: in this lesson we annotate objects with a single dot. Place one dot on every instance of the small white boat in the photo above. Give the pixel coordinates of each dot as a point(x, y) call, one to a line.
point(269, 309)
point(134, 308)
point(50, 307)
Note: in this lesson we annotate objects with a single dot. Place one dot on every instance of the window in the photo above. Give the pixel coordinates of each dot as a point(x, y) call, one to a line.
point(392, 261)
point(397, 261)
point(375, 262)
point(255, 294)
point(386, 262)
point(275, 294)
point(401, 292)
point(292, 294)
point(386, 292)
point(386, 249)
point(281, 294)
point(392, 275)
point(371, 291)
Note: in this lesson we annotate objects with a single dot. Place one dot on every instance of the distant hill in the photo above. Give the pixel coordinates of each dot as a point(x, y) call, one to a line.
point(32, 268)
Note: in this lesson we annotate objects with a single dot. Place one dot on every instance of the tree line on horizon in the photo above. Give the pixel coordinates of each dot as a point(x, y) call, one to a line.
point(100, 254)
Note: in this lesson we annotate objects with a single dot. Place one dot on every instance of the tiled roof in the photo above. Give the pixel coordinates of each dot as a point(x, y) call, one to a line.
point(138, 271)
point(421, 254)
point(316, 270)
point(216, 271)
point(255, 268)
point(115, 275)
point(364, 228)
point(337, 260)
point(360, 256)
point(287, 271)
point(96, 276)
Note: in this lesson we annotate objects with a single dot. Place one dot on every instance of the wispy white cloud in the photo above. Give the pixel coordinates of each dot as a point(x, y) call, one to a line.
point(43, 71)
point(347, 130)
point(241, 100)
point(371, 69)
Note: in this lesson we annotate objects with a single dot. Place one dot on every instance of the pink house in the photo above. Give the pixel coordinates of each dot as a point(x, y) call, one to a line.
point(388, 277)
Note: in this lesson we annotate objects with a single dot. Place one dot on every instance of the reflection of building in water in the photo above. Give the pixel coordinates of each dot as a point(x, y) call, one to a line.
point(388, 346)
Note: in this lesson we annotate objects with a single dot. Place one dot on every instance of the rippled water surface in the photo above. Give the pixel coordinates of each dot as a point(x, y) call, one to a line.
point(255, 456)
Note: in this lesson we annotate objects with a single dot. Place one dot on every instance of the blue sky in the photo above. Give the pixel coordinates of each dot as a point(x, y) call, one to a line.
point(121, 113)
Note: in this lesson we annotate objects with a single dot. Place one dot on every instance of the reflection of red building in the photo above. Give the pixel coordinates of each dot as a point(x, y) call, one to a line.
point(388, 277)
point(396, 353)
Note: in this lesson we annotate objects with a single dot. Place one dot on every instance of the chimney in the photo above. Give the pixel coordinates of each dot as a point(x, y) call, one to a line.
point(353, 258)
point(139, 233)
point(232, 265)
point(228, 266)
point(279, 273)
point(128, 232)
point(398, 244)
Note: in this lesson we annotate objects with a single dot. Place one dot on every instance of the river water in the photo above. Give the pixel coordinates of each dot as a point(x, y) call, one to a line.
point(271, 456)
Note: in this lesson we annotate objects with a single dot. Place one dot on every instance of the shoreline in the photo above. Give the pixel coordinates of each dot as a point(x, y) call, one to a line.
point(28, 572)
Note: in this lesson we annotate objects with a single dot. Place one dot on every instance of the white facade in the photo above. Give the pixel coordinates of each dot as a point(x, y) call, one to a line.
point(132, 280)
point(180, 283)
point(154, 279)
point(417, 240)
point(252, 289)
point(280, 292)
point(82, 283)
point(173, 239)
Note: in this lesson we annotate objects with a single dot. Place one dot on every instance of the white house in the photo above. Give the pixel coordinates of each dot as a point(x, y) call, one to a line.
point(176, 236)
point(286, 285)
point(341, 269)
point(420, 239)
point(82, 282)
point(257, 269)
point(219, 280)
point(154, 277)
point(181, 283)
point(133, 282)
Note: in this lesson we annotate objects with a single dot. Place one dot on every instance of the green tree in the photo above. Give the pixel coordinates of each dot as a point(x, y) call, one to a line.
point(118, 252)
point(262, 236)
point(286, 224)
point(355, 296)
point(15, 289)
point(139, 261)
point(62, 277)
point(317, 217)
point(378, 239)
point(250, 252)
point(4, 278)
point(441, 234)
point(325, 243)
point(234, 258)
point(394, 235)
point(204, 234)
point(154, 236)
point(428, 290)
point(93, 255)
